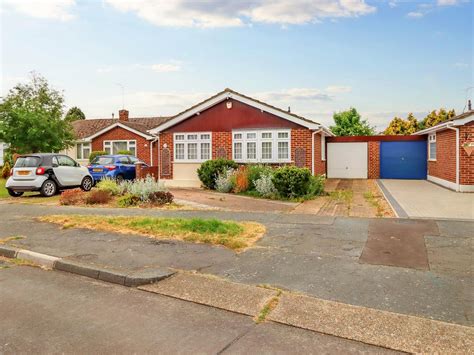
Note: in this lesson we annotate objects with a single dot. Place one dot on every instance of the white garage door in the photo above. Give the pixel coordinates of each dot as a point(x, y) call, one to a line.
point(347, 160)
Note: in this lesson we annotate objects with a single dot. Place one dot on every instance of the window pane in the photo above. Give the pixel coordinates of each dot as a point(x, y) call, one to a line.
point(205, 151)
point(131, 144)
point(266, 150)
point(238, 150)
point(237, 135)
point(133, 150)
point(179, 137)
point(107, 150)
point(179, 151)
point(251, 135)
point(192, 151)
point(266, 135)
point(86, 152)
point(205, 136)
point(282, 134)
point(251, 150)
point(79, 151)
point(118, 146)
point(282, 150)
point(192, 137)
point(433, 150)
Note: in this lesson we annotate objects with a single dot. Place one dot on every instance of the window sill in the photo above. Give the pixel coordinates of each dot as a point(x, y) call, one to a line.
point(190, 161)
point(431, 159)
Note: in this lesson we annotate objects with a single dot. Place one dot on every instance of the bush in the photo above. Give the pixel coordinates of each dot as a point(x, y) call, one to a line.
point(241, 180)
point(128, 200)
point(316, 186)
point(124, 152)
point(161, 198)
point(264, 185)
point(110, 186)
point(255, 172)
point(6, 170)
point(142, 188)
point(72, 197)
point(225, 181)
point(210, 170)
point(96, 154)
point(291, 181)
point(98, 197)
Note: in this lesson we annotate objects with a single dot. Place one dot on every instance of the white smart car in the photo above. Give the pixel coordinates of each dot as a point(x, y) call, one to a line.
point(48, 174)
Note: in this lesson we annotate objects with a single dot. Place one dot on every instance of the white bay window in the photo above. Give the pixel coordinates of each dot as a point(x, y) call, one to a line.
point(192, 147)
point(266, 146)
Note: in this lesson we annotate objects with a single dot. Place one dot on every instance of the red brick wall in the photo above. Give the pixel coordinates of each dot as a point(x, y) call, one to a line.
point(166, 138)
point(319, 163)
point(118, 133)
point(373, 151)
point(445, 165)
point(466, 162)
point(301, 138)
point(221, 140)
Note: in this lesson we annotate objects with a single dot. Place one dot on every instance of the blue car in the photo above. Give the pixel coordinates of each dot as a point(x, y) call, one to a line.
point(118, 167)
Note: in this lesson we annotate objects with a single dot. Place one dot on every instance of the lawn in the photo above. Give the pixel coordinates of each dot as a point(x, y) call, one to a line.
point(3, 190)
point(233, 235)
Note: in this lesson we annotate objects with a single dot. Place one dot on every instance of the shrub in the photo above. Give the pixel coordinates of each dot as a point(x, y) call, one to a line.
point(225, 181)
point(142, 188)
point(72, 197)
point(128, 200)
point(291, 181)
point(161, 197)
point(316, 185)
point(242, 179)
point(6, 170)
point(255, 172)
point(110, 186)
point(96, 154)
point(98, 197)
point(124, 152)
point(264, 185)
point(210, 170)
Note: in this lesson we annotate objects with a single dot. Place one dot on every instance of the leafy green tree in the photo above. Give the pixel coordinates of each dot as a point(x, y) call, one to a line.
point(74, 114)
point(436, 117)
point(349, 123)
point(400, 126)
point(31, 118)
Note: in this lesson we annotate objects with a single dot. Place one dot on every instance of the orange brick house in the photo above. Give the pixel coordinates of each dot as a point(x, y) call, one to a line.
point(451, 152)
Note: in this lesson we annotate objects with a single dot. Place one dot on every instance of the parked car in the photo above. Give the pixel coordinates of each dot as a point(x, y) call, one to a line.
point(47, 173)
point(119, 167)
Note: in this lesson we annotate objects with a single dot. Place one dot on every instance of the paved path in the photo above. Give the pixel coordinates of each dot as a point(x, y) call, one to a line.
point(54, 312)
point(319, 256)
point(423, 199)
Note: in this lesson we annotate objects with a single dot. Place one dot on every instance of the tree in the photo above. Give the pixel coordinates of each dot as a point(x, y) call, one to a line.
point(31, 118)
point(399, 126)
point(349, 123)
point(74, 114)
point(434, 118)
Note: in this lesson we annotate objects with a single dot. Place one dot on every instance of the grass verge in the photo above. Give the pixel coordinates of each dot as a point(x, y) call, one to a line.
point(233, 235)
point(3, 190)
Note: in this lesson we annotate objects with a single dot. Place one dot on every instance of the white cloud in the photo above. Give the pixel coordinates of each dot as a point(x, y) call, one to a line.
point(415, 14)
point(217, 13)
point(338, 89)
point(42, 9)
point(447, 2)
point(292, 95)
point(165, 68)
point(461, 65)
point(172, 66)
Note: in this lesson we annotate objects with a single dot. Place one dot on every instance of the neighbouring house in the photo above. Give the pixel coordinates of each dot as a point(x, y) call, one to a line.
point(450, 152)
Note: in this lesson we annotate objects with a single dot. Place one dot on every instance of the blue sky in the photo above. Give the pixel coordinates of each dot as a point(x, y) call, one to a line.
point(385, 58)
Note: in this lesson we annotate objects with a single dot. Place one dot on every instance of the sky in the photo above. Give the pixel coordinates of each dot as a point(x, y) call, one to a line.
point(158, 57)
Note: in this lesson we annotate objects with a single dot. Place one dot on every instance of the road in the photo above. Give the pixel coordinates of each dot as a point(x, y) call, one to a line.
point(54, 312)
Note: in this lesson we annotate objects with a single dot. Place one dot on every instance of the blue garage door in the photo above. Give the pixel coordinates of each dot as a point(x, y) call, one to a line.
point(403, 160)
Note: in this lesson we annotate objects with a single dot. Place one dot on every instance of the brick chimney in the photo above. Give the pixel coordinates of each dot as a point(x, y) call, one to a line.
point(123, 115)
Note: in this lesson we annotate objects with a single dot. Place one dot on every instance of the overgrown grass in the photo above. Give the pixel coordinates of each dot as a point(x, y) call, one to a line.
point(233, 235)
point(342, 196)
point(9, 239)
point(374, 201)
point(265, 311)
point(3, 190)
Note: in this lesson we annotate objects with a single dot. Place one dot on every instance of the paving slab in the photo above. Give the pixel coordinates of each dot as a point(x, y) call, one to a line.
point(386, 329)
point(214, 292)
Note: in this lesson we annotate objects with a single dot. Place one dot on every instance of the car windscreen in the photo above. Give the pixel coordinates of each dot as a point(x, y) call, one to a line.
point(102, 161)
point(27, 162)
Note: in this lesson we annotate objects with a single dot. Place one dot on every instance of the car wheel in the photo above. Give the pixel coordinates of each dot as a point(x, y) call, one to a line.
point(119, 178)
point(48, 188)
point(14, 193)
point(86, 184)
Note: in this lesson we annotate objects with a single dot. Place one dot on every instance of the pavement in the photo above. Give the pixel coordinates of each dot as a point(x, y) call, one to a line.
point(55, 312)
point(424, 199)
point(317, 256)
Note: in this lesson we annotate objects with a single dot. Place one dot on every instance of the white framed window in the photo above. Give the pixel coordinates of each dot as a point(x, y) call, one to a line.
point(192, 147)
point(432, 146)
point(267, 146)
point(83, 150)
point(113, 147)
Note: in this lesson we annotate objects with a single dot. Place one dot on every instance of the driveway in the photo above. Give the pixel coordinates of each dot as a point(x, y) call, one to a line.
point(423, 199)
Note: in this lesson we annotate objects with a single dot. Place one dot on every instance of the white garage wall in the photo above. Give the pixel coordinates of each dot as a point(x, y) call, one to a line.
point(347, 160)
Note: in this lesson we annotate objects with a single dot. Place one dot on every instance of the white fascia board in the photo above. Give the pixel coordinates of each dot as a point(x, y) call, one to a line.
point(228, 95)
point(118, 124)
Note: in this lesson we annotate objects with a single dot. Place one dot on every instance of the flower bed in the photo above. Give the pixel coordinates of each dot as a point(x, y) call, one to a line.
point(140, 192)
point(282, 183)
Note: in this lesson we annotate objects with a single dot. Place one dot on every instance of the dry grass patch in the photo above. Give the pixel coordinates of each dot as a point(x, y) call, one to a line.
point(233, 235)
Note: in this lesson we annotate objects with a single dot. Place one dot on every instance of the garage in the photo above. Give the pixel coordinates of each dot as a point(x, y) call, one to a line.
point(403, 160)
point(347, 160)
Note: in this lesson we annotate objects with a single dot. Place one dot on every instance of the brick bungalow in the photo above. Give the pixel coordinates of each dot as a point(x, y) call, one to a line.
point(450, 152)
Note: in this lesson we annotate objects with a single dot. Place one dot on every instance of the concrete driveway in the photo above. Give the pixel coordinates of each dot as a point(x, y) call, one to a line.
point(423, 199)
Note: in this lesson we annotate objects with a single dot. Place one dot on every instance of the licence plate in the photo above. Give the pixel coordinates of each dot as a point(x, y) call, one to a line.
point(23, 172)
point(97, 170)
